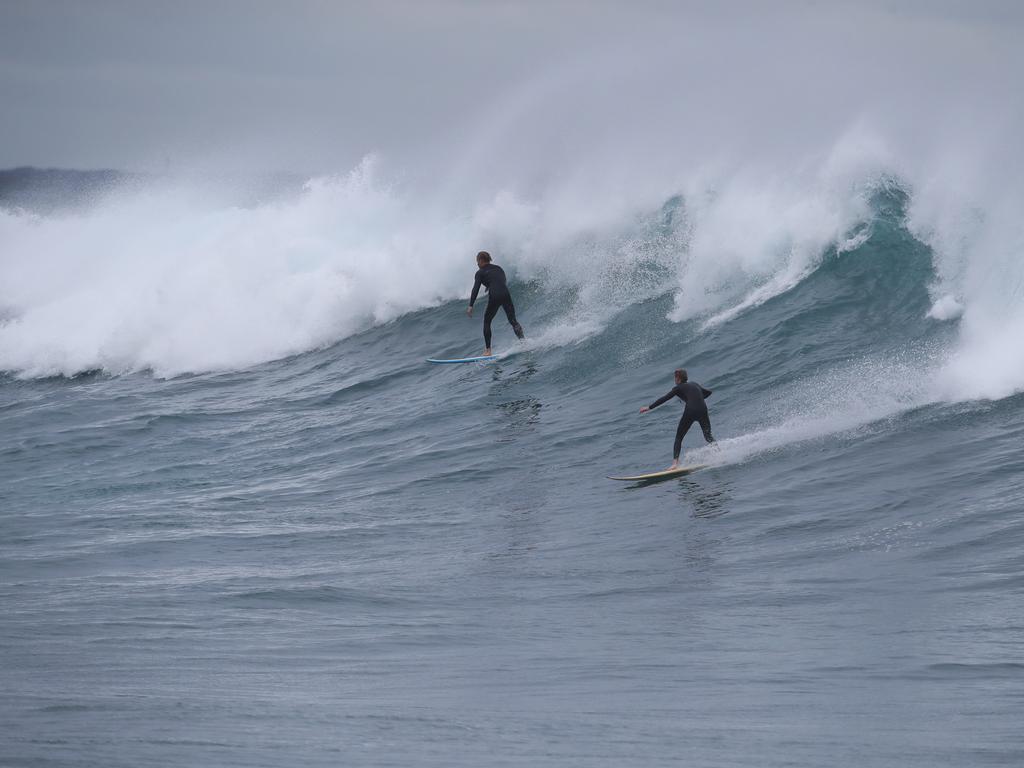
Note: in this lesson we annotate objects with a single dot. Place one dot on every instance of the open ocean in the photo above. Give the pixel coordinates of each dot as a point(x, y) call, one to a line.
point(244, 523)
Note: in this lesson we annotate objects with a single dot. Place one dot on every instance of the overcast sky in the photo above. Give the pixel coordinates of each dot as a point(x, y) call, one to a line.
point(313, 86)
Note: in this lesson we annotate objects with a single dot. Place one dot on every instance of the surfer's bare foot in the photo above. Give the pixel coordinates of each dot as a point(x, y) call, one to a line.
point(673, 465)
point(487, 352)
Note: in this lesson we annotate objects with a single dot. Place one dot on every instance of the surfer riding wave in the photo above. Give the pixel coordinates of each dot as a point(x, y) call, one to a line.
point(695, 410)
point(492, 277)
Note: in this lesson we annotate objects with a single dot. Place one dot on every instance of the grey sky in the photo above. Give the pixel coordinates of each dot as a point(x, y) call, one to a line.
point(313, 86)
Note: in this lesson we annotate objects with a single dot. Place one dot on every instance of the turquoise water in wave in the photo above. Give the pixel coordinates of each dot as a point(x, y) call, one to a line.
point(347, 556)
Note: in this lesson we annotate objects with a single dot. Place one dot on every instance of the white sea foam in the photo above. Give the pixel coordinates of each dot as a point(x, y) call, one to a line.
point(159, 280)
point(946, 308)
point(154, 281)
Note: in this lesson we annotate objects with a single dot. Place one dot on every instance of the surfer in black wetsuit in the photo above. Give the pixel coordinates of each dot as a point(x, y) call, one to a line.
point(692, 394)
point(492, 277)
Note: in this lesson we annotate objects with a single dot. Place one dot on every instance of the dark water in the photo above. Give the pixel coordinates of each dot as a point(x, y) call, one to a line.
point(350, 557)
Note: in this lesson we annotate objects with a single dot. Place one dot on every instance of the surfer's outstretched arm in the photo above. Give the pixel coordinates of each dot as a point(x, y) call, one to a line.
point(476, 288)
point(659, 401)
point(705, 392)
point(663, 399)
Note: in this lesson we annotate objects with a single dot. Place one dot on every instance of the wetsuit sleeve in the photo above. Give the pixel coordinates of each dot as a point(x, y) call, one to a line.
point(476, 288)
point(663, 399)
point(705, 392)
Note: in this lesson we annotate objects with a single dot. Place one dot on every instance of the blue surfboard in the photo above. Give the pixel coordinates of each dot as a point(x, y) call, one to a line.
point(463, 360)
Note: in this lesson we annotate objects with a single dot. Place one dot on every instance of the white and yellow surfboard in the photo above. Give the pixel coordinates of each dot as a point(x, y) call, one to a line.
point(665, 473)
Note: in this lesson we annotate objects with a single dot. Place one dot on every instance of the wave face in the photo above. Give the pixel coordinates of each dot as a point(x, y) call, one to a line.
point(242, 522)
point(165, 280)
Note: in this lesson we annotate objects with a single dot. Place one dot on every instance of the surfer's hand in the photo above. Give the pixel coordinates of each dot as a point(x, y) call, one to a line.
point(645, 409)
point(469, 311)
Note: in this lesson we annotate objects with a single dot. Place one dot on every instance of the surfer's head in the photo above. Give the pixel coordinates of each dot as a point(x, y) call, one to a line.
point(680, 375)
point(483, 258)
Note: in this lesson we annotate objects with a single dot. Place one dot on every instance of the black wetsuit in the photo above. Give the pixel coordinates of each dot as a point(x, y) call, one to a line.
point(696, 410)
point(492, 277)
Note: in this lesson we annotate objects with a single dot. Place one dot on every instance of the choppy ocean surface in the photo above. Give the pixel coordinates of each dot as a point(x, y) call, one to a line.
point(243, 523)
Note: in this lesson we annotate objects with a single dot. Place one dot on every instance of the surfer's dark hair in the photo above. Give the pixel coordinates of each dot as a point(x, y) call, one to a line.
point(681, 374)
point(485, 256)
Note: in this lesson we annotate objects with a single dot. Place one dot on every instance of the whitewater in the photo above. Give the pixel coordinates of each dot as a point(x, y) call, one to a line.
point(244, 523)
